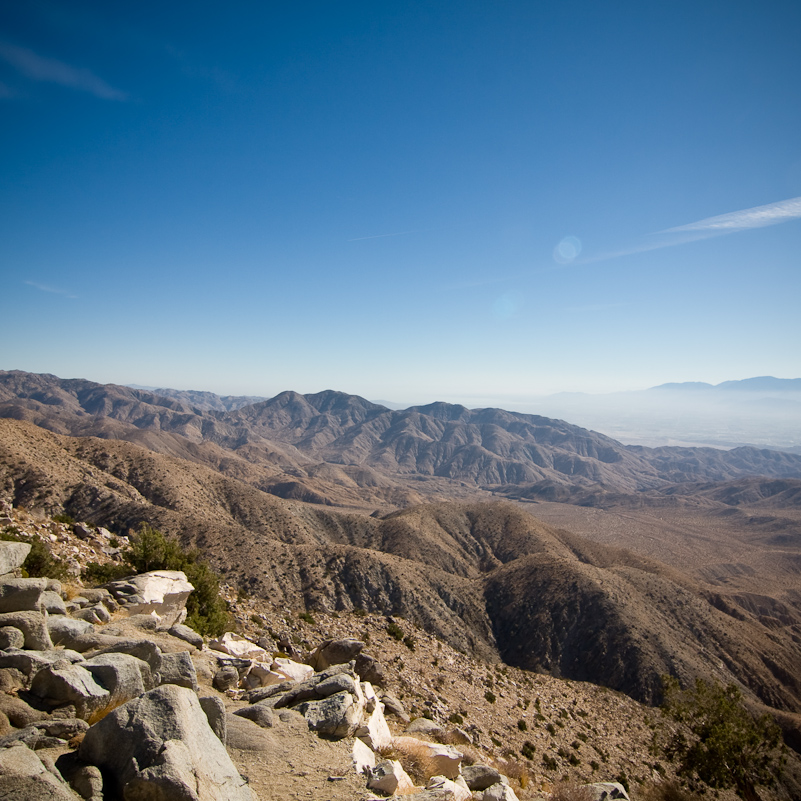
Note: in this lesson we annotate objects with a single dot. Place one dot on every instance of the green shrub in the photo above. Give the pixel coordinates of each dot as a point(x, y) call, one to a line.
point(522, 725)
point(490, 696)
point(727, 746)
point(456, 718)
point(394, 630)
point(548, 762)
point(528, 749)
point(64, 518)
point(207, 612)
point(307, 617)
point(409, 642)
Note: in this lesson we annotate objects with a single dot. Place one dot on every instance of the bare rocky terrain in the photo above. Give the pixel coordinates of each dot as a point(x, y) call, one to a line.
point(514, 542)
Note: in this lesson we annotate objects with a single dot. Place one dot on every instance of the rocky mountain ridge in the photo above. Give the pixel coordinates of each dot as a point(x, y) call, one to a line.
point(284, 439)
point(487, 578)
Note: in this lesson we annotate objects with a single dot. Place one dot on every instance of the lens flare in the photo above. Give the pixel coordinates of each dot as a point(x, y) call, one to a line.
point(567, 250)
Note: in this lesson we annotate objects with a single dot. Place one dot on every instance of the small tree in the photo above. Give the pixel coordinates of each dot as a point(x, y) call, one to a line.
point(727, 746)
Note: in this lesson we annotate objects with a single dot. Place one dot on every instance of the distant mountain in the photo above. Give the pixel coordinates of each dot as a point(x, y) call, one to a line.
point(204, 401)
point(288, 434)
point(760, 384)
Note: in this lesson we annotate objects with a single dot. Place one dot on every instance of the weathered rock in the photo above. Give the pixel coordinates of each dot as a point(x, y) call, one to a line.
point(11, 637)
point(338, 716)
point(18, 712)
point(307, 690)
point(52, 603)
point(22, 594)
point(33, 625)
point(179, 669)
point(426, 728)
point(24, 777)
point(452, 789)
point(82, 531)
point(64, 630)
point(368, 668)
point(334, 652)
point(160, 746)
point(186, 634)
point(291, 669)
point(479, 777)
point(389, 777)
point(263, 693)
point(392, 706)
point(603, 791)
point(214, 710)
point(235, 645)
point(160, 592)
point(30, 662)
point(87, 781)
point(363, 757)
point(375, 731)
point(245, 735)
point(443, 759)
point(64, 683)
point(226, 678)
point(260, 714)
point(146, 650)
point(260, 675)
point(123, 675)
point(32, 737)
point(499, 792)
point(12, 555)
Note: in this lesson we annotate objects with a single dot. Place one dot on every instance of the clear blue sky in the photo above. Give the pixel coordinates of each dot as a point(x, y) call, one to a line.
point(407, 201)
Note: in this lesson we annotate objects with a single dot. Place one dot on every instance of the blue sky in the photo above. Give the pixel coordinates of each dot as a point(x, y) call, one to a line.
point(408, 201)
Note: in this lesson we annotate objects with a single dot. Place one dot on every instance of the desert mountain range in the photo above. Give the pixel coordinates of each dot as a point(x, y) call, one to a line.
point(509, 536)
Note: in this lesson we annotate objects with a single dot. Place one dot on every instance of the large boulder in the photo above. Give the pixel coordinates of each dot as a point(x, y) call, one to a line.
point(24, 777)
point(479, 777)
point(12, 555)
point(63, 683)
point(161, 592)
point(334, 652)
point(338, 715)
point(499, 792)
point(389, 777)
point(22, 594)
point(236, 645)
point(160, 747)
point(33, 625)
point(455, 790)
point(124, 676)
point(374, 730)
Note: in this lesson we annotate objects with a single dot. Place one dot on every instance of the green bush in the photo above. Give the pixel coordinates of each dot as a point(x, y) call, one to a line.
point(490, 696)
point(207, 612)
point(727, 746)
point(307, 617)
point(394, 630)
point(522, 725)
point(528, 749)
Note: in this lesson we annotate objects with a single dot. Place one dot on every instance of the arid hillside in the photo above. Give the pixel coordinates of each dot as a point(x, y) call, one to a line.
point(487, 578)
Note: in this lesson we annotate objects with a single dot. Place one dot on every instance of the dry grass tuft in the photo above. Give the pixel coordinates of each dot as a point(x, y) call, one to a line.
point(514, 770)
point(568, 791)
point(667, 791)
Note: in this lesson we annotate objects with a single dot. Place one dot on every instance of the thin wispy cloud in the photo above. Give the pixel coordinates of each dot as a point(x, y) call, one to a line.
point(721, 225)
point(757, 217)
point(53, 290)
point(50, 70)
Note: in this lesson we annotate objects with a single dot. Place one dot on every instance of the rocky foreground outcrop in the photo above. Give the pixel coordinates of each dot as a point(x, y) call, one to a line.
point(106, 694)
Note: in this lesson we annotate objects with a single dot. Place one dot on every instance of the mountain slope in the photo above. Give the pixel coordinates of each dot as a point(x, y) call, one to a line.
point(284, 436)
point(487, 578)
